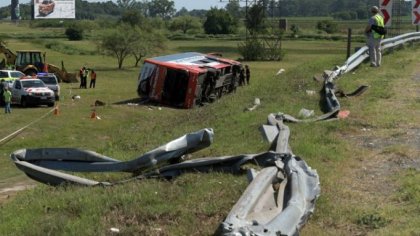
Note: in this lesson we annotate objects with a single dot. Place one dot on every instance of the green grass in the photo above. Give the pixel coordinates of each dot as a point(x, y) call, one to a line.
point(195, 204)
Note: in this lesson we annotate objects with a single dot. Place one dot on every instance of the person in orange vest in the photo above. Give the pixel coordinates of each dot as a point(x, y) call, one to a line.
point(92, 79)
point(373, 38)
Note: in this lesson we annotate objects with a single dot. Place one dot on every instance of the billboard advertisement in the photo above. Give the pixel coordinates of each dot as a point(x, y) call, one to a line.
point(54, 9)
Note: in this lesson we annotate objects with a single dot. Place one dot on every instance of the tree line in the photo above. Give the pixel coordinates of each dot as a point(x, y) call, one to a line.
point(140, 28)
point(339, 9)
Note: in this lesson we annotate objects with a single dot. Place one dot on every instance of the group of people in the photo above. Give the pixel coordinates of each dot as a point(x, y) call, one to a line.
point(6, 96)
point(84, 73)
point(244, 76)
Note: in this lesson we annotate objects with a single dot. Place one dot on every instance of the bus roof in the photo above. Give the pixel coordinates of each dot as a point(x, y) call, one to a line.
point(192, 61)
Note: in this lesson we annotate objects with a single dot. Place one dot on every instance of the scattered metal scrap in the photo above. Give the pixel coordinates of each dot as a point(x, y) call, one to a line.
point(278, 201)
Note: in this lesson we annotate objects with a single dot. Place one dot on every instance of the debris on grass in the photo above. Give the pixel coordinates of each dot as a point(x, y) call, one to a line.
point(257, 102)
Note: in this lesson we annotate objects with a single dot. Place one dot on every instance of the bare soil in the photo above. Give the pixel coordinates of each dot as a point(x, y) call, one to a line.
point(7, 193)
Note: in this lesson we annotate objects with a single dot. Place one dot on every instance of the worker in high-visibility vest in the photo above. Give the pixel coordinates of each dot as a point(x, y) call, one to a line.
point(373, 38)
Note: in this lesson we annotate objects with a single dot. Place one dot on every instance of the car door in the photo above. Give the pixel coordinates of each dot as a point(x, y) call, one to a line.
point(16, 91)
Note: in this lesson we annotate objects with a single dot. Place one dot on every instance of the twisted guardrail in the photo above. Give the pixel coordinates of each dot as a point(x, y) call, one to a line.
point(355, 60)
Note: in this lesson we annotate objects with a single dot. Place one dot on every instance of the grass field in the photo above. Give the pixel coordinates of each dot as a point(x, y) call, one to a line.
point(368, 163)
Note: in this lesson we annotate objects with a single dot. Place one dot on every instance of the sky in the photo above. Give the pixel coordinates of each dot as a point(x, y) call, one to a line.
point(188, 4)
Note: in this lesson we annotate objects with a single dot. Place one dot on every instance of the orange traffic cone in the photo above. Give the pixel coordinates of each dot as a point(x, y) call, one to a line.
point(93, 115)
point(56, 111)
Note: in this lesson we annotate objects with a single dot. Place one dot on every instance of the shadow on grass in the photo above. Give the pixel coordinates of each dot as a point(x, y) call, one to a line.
point(144, 102)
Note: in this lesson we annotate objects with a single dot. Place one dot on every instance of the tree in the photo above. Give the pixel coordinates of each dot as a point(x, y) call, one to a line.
point(182, 12)
point(148, 43)
point(162, 8)
point(133, 17)
point(219, 21)
point(119, 42)
point(234, 9)
point(126, 4)
point(255, 18)
point(185, 23)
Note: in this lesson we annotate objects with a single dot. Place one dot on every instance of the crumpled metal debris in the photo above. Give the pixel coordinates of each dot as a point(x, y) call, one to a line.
point(305, 113)
point(43, 164)
point(279, 199)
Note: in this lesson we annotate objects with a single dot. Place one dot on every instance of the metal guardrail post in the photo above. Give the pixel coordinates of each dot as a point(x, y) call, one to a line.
point(348, 42)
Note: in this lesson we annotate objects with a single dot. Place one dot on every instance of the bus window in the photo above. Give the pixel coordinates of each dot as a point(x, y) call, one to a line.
point(175, 87)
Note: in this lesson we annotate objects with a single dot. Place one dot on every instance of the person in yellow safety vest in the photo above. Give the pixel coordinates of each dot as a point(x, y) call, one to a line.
point(7, 99)
point(374, 39)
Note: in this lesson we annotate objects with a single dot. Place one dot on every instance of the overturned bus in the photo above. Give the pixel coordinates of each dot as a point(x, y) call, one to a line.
point(187, 79)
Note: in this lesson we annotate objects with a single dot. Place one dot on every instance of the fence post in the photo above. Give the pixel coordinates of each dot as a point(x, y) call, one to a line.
point(348, 42)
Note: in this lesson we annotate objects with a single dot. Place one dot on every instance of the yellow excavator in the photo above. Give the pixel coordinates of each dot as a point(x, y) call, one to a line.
point(33, 61)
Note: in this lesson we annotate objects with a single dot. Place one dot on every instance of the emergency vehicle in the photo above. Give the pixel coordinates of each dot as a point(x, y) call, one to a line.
point(187, 79)
point(29, 91)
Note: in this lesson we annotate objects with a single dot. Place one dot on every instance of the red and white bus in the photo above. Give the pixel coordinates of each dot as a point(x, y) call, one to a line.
point(187, 79)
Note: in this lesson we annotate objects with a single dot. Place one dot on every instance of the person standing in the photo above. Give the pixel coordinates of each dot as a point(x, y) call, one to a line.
point(7, 95)
point(373, 38)
point(81, 76)
point(247, 74)
point(85, 76)
point(3, 85)
point(92, 79)
point(241, 77)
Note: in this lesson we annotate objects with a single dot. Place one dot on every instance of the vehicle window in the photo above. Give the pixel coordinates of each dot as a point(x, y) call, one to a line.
point(33, 84)
point(4, 74)
point(48, 80)
point(16, 74)
point(17, 85)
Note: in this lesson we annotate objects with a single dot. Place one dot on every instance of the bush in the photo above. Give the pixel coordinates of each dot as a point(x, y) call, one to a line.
point(74, 33)
point(295, 30)
point(251, 50)
point(327, 26)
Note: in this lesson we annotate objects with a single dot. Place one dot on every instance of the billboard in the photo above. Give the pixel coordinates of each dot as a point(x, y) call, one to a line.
point(54, 9)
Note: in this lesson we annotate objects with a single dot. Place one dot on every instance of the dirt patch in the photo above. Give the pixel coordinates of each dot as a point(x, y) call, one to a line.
point(380, 161)
point(7, 192)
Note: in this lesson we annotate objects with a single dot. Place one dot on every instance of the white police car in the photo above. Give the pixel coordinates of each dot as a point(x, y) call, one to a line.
point(30, 91)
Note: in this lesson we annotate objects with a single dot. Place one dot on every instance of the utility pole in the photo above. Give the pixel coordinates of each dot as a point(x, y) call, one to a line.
point(271, 42)
point(246, 12)
point(15, 11)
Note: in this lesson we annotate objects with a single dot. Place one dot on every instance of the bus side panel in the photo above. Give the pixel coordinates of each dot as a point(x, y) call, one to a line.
point(191, 90)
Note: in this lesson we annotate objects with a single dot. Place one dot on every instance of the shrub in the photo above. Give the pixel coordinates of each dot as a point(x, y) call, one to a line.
point(74, 33)
point(295, 30)
point(251, 50)
point(327, 26)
